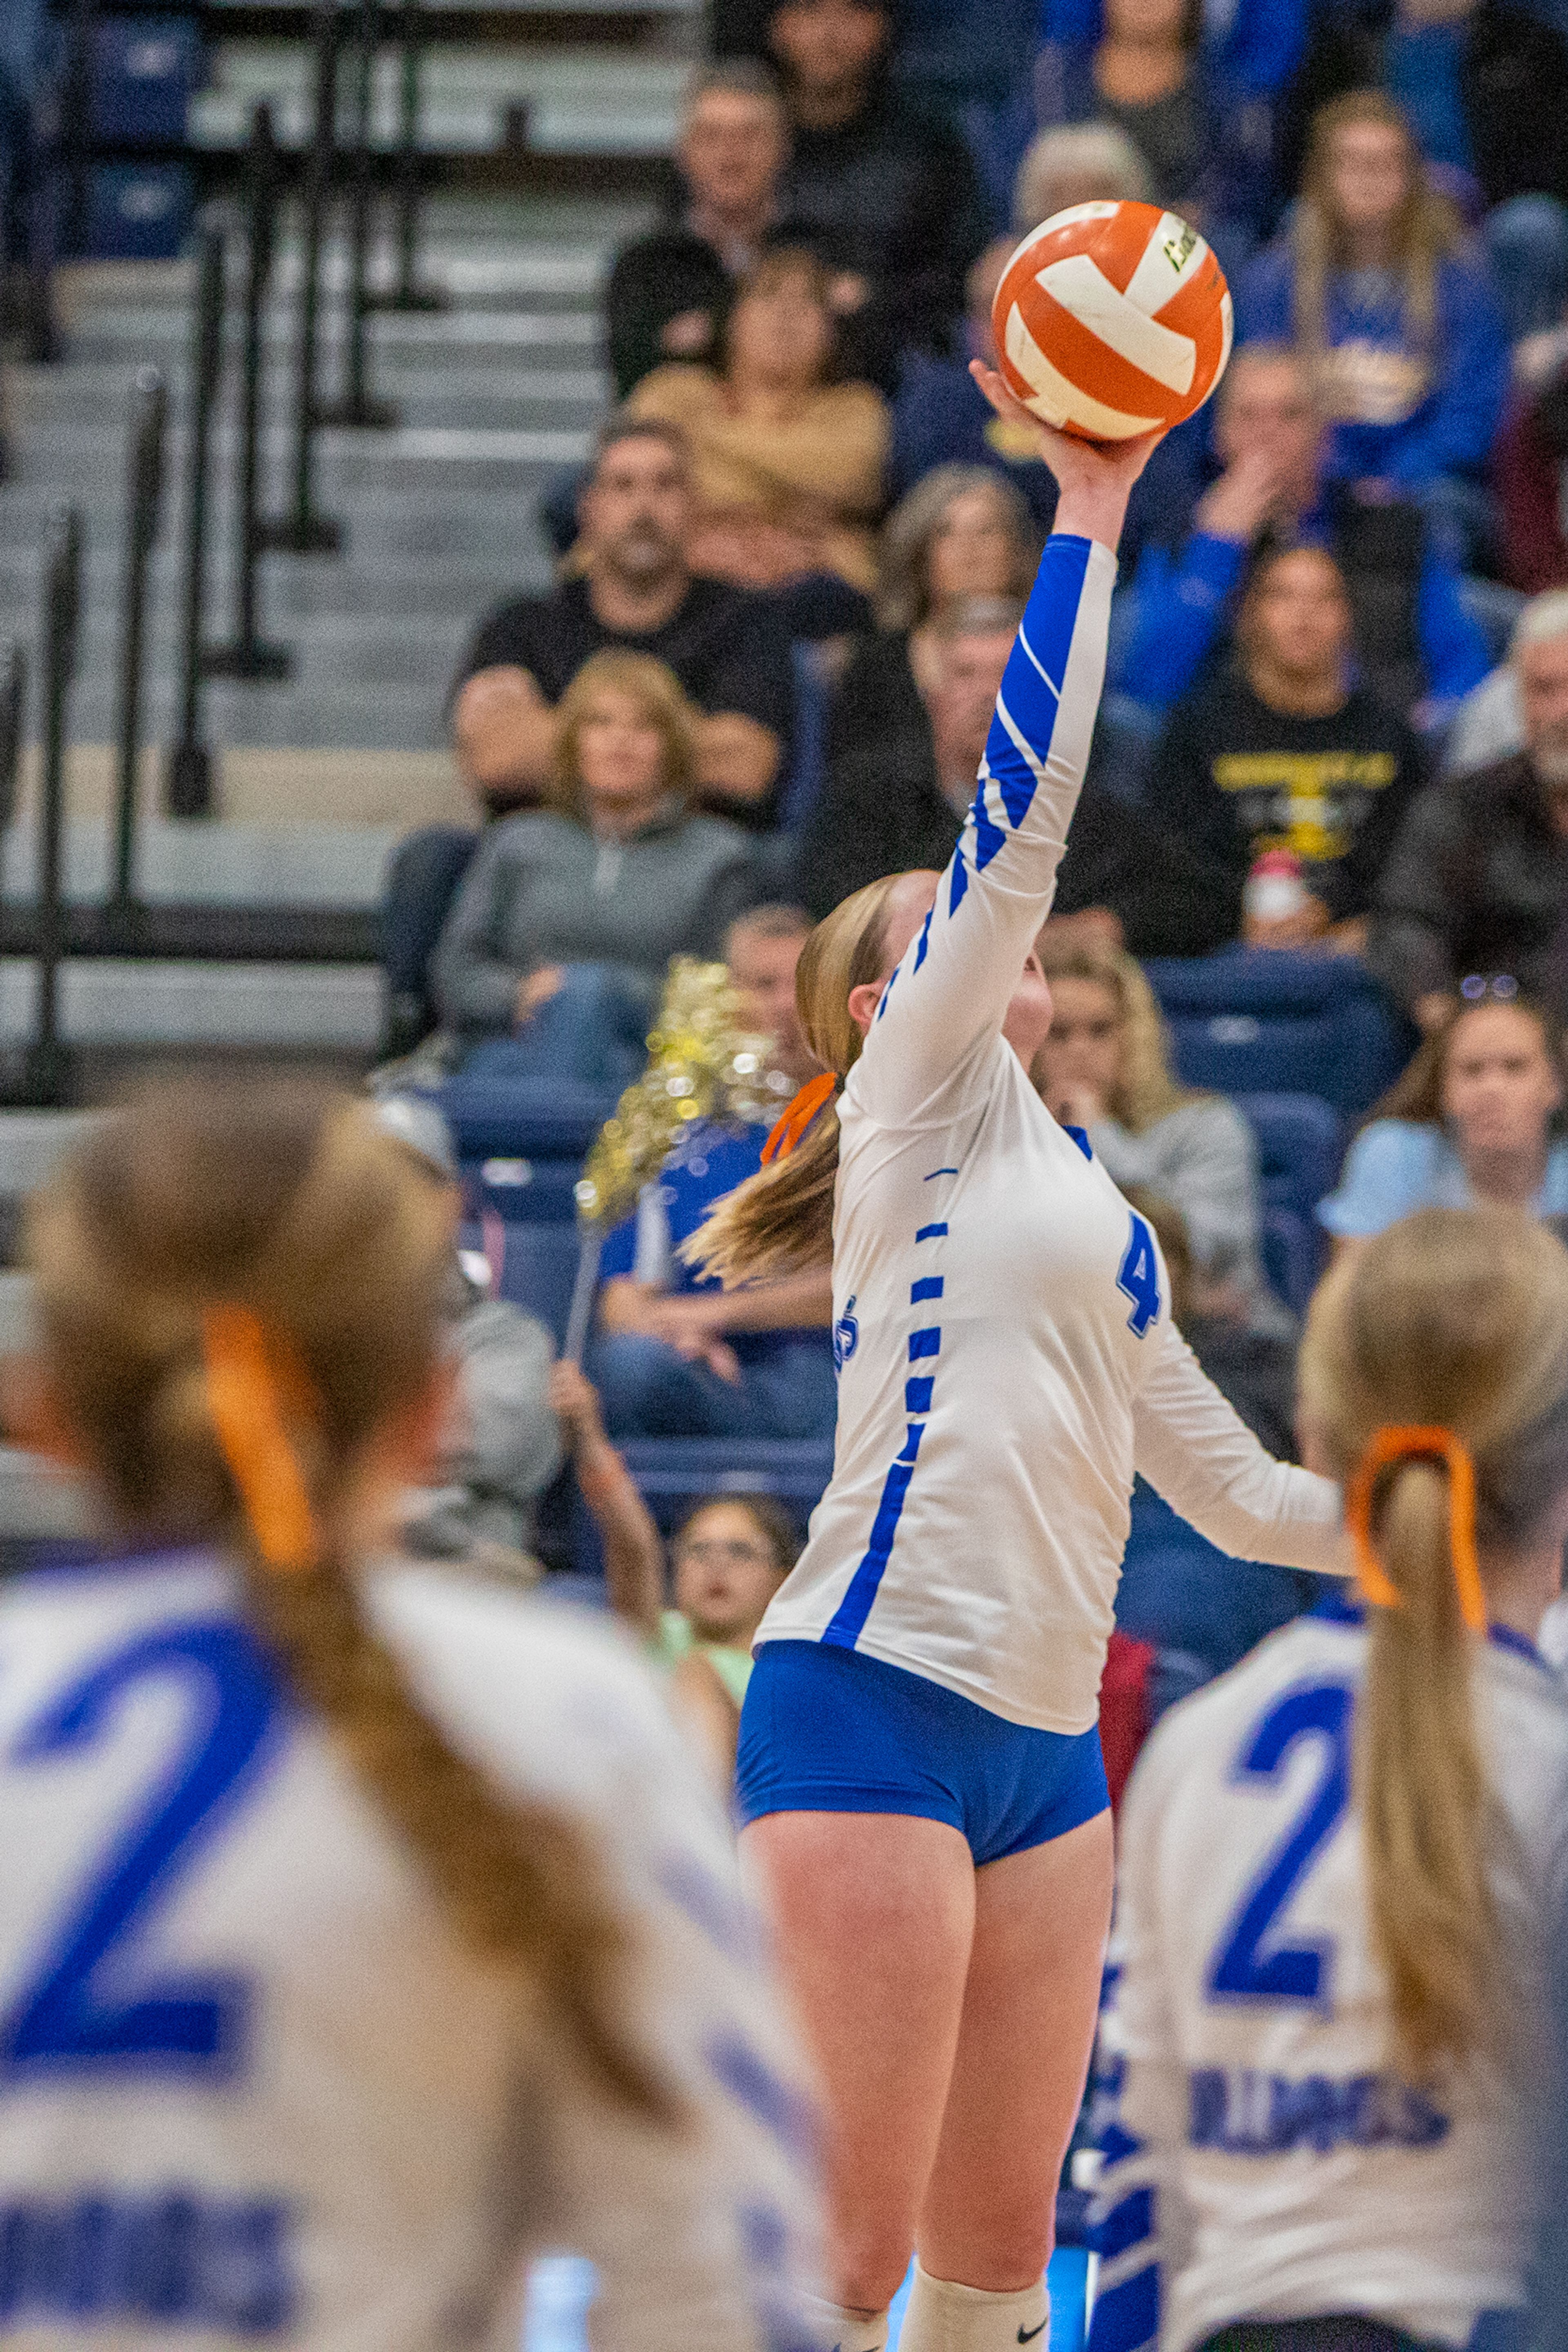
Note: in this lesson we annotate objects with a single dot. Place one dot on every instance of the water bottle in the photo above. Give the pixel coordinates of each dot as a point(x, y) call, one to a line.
point(1274, 889)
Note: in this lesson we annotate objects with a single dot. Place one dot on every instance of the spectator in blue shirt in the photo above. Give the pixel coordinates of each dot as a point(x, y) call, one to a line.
point(1476, 1118)
point(677, 1356)
point(1414, 640)
point(1401, 326)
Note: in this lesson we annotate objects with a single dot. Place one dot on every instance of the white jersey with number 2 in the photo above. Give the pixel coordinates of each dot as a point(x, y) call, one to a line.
point(1002, 1325)
point(1269, 2158)
point(254, 2092)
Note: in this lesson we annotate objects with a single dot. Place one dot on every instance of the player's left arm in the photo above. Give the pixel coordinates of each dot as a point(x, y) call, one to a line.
point(1195, 1449)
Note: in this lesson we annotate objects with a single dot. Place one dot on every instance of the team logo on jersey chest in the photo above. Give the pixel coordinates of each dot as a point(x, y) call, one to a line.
point(846, 1336)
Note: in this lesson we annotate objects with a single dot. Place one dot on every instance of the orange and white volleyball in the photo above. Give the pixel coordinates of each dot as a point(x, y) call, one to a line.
point(1113, 320)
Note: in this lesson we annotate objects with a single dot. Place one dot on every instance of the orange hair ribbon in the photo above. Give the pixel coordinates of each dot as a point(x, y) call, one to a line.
point(798, 1117)
point(1405, 1443)
point(250, 1377)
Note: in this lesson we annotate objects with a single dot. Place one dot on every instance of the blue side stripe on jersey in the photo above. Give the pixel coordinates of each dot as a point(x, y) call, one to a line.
point(925, 1343)
point(917, 1396)
point(960, 884)
point(928, 1286)
point(849, 1619)
point(931, 1232)
point(1080, 1138)
point(924, 939)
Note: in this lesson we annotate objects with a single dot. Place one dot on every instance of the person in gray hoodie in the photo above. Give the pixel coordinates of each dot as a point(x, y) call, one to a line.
point(551, 960)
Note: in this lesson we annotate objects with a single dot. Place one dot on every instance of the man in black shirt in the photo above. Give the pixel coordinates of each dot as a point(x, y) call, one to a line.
point(636, 595)
point(887, 197)
point(1278, 753)
point(670, 291)
point(901, 804)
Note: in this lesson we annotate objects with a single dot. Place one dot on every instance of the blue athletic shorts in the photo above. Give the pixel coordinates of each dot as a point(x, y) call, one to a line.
point(827, 1730)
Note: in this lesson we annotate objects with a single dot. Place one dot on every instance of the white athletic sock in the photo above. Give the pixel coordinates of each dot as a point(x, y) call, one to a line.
point(946, 2317)
point(846, 2331)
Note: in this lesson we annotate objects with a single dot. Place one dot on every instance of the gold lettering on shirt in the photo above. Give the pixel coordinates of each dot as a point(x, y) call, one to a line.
point(1306, 815)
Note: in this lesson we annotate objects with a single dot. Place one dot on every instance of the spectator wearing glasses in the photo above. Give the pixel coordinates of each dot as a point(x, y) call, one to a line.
point(669, 293)
point(1476, 1118)
point(1282, 753)
point(1477, 880)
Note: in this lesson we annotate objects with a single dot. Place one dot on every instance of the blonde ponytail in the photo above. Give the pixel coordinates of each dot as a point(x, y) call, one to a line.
point(1454, 1325)
point(782, 1220)
point(235, 1280)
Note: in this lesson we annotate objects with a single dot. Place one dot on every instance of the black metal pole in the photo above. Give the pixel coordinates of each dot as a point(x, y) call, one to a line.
point(46, 1065)
point(358, 410)
point(188, 785)
point(144, 495)
point(247, 656)
point(410, 292)
point(13, 710)
point(75, 124)
point(302, 530)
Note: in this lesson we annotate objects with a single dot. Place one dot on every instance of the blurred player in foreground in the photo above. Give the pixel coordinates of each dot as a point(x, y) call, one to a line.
point(362, 1926)
point(1340, 1864)
point(919, 1762)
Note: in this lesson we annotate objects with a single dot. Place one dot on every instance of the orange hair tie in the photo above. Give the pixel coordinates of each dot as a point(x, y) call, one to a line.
point(798, 1117)
point(1385, 1447)
point(250, 1376)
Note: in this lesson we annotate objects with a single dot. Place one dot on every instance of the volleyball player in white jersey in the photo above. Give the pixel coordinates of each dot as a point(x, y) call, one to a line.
point(919, 1763)
point(360, 1929)
point(1339, 1862)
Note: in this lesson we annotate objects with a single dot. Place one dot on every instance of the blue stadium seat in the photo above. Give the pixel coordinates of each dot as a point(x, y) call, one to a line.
point(1250, 1021)
point(1181, 1594)
point(1301, 1143)
point(674, 1472)
point(522, 1145)
point(1292, 1253)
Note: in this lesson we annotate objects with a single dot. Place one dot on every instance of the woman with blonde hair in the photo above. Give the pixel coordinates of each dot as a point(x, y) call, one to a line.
point(1104, 1069)
point(1337, 1864)
point(919, 1768)
point(1397, 317)
point(550, 961)
point(363, 1927)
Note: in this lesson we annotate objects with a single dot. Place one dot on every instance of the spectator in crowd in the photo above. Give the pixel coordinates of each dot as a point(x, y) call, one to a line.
point(1254, 49)
point(1476, 1118)
point(1104, 1071)
point(500, 1446)
point(1077, 163)
point(1531, 467)
point(1400, 325)
point(669, 293)
point(942, 417)
point(1479, 82)
point(676, 1355)
point(638, 592)
point(899, 805)
point(886, 195)
point(786, 464)
point(963, 531)
point(728, 1557)
point(1412, 634)
point(1279, 751)
point(550, 961)
point(1144, 71)
point(1477, 880)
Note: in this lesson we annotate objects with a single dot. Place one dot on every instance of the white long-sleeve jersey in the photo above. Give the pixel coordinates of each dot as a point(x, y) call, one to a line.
point(1007, 1358)
point(1285, 2169)
point(254, 2092)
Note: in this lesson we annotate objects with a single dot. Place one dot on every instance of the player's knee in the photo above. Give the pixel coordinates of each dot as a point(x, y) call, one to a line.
point(871, 2262)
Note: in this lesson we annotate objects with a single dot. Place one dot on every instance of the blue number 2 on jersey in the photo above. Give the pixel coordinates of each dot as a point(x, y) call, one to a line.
point(1241, 1969)
point(1139, 1279)
point(81, 2010)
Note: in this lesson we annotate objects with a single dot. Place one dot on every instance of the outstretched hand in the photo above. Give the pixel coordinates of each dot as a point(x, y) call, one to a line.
point(1094, 477)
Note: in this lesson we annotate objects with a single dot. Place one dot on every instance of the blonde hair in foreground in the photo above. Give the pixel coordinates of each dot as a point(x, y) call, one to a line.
point(287, 1200)
point(1455, 1318)
point(783, 1219)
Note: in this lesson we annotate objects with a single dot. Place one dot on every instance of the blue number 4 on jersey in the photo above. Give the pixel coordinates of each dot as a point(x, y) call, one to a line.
point(1139, 1279)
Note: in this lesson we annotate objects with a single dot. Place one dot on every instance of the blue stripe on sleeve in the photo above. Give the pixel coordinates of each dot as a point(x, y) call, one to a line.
point(931, 1232)
point(1031, 686)
point(928, 1286)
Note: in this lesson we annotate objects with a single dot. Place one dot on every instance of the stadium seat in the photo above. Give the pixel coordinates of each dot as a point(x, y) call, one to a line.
point(674, 1472)
point(520, 1146)
point(1300, 1142)
point(534, 1267)
point(1251, 1021)
point(1292, 1255)
point(1179, 1593)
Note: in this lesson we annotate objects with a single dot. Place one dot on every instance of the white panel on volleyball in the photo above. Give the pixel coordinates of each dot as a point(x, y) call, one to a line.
point(1171, 260)
point(1082, 286)
point(1055, 399)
